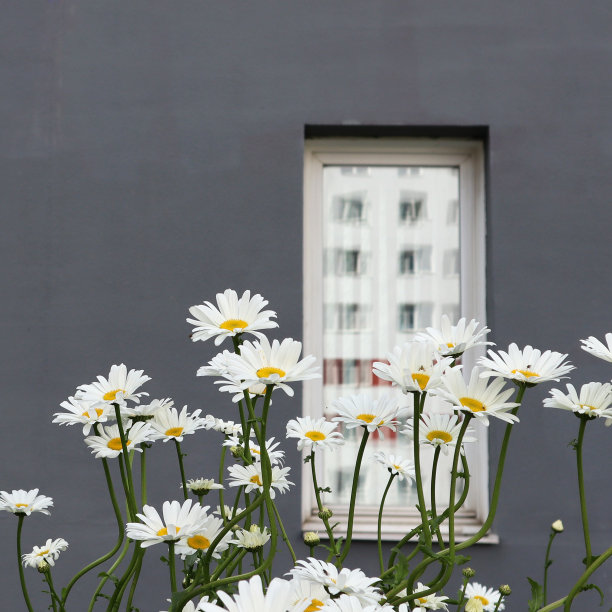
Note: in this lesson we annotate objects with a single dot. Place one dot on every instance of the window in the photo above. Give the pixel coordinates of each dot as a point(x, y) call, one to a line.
point(394, 238)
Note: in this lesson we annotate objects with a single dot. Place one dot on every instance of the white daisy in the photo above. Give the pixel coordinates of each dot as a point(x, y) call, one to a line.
point(595, 399)
point(251, 597)
point(351, 582)
point(352, 603)
point(83, 413)
point(201, 486)
point(529, 366)
point(179, 521)
point(119, 386)
point(413, 367)
point(251, 477)
point(48, 553)
point(439, 430)
point(251, 539)
point(308, 595)
point(191, 607)
point(478, 398)
point(107, 443)
point(430, 602)
point(361, 410)
point(404, 468)
point(146, 411)
point(170, 424)
point(454, 340)
point(203, 537)
point(229, 428)
point(24, 502)
point(230, 317)
point(314, 434)
point(228, 511)
point(488, 597)
point(598, 348)
point(272, 364)
point(275, 456)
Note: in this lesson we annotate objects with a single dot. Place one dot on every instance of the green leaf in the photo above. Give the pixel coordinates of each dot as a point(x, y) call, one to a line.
point(307, 458)
point(537, 596)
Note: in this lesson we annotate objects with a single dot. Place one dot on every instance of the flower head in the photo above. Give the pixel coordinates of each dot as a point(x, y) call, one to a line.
point(530, 366)
point(24, 502)
point(169, 424)
point(200, 538)
point(314, 434)
point(276, 456)
point(487, 597)
point(146, 411)
point(598, 348)
point(361, 410)
point(83, 413)
point(251, 477)
point(439, 430)
point(48, 553)
point(557, 526)
point(107, 443)
point(120, 385)
point(403, 468)
point(229, 428)
point(201, 486)
point(454, 340)
point(594, 399)
point(253, 538)
point(430, 602)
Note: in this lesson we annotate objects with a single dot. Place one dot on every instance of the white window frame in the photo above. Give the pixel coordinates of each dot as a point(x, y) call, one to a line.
point(468, 157)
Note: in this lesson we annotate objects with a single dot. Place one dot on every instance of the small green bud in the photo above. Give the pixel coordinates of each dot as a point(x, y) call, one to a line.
point(237, 451)
point(505, 590)
point(468, 572)
point(311, 538)
point(325, 513)
point(43, 567)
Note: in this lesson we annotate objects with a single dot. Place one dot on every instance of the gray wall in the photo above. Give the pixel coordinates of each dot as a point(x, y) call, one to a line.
point(151, 155)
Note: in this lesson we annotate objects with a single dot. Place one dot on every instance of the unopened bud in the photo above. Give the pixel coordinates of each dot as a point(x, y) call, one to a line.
point(237, 451)
point(325, 513)
point(557, 526)
point(311, 538)
point(468, 572)
point(505, 590)
point(43, 567)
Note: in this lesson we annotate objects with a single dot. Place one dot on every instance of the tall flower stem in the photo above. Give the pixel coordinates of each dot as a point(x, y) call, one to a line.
point(172, 566)
point(24, 589)
point(547, 562)
point(434, 471)
point(128, 605)
point(583, 508)
point(143, 475)
point(419, 401)
point(380, 514)
point(131, 500)
point(54, 596)
point(221, 473)
point(284, 534)
point(328, 529)
point(115, 600)
point(181, 467)
point(351, 512)
point(105, 578)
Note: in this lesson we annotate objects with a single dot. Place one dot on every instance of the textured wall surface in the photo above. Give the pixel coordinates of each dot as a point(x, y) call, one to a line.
point(151, 155)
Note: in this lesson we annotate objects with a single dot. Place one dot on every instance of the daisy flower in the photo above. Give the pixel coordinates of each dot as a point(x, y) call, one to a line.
point(430, 602)
point(361, 410)
point(275, 456)
point(454, 340)
point(201, 486)
point(231, 316)
point(119, 386)
point(83, 413)
point(179, 521)
point(598, 348)
point(488, 597)
point(308, 595)
point(594, 399)
point(311, 434)
point(228, 511)
point(439, 430)
point(145, 412)
point(272, 364)
point(352, 603)
point(48, 553)
point(413, 367)
point(251, 477)
point(203, 537)
point(170, 424)
point(351, 582)
point(529, 366)
point(252, 598)
point(478, 398)
point(229, 428)
point(404, 468)
point(251, 539)
point(191, 607)
point(24, 502)
point(108, 443)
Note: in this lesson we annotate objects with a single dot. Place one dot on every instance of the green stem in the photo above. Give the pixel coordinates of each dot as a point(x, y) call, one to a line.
point(434, 471)
point(221, 473)
point(380, 514)
point(128, 605)
point(462, 593)
point(172, 566)
point(182, 468)
point(54, 596)
point(417, 464)
point(126, 488)
point(110, 571)
point(284, 534)
point(553, 533)
point(115, 600)
point(219, 569)
point(583, 507)
point(130, 485)
point(351, 512)
point(143, 476)
point(328, 529)
point(24, 589)
point(499, 602)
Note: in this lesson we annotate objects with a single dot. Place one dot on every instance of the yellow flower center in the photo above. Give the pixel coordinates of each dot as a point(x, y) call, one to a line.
point(111, 395)
point(199, 542)
point(42, 553)
point(438, 434)
point(268, 371)
point(315, 436)
point(421, 380)
point(588, 406)
point(174, 431)
point(450, 345)
point(164, 531)
point(21, 505)
point(255, 479)
point(485, 601)
point(99, 412)
point(232, 324)
point(315, 605)
point(397, 467)
point(368, 418)
point(525, 373)
point(424, 599)
point(115, 444)
point(473, 404)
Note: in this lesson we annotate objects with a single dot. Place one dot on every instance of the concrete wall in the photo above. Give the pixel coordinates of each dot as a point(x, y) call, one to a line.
point(151, 155)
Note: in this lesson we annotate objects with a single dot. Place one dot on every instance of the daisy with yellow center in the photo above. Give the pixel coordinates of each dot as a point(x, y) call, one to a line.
point(594, 399)
point(169, 424)
point(454, 340)
point(276, 456)
point(478, 397)
point(80, 412)
point(251, 539)
point(202, 486)
point(251, 478)
point(413, 367)
point(120, 386)
point(107, 444)
point(432, 601)
point(24, 502)
point(314, 434)
point(488, 597)
point(179, 521)
point(362, 410)
point(145, 412)
point(529, 366)
point(48, 553)
point(231, 316)
point(439, 430)
point(201, 540)
point(403, 468)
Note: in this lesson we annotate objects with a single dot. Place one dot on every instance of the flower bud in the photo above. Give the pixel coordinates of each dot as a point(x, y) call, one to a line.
point(468, 572)
point(325, 513)
point(557, 526)
point(43, 567)
point(237, 451)
point(505, 590)
point(311, 538)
